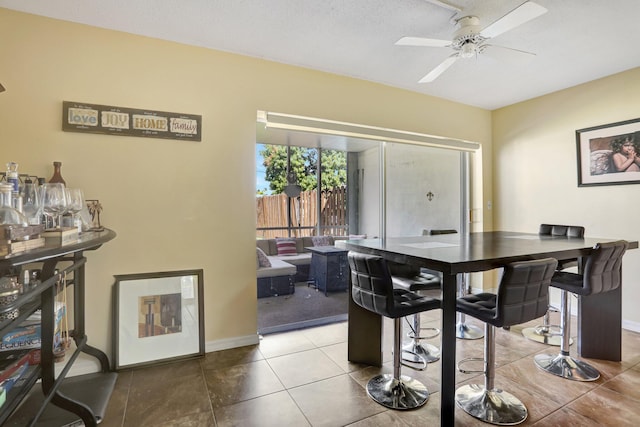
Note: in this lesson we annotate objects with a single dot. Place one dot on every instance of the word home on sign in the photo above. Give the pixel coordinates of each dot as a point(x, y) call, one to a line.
point(150, 123)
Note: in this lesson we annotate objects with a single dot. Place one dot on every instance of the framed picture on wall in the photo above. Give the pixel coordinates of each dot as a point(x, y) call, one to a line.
point(609, 154)
point(158, 317)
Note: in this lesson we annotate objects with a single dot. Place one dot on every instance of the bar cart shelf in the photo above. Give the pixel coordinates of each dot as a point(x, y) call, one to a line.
point(56, 401)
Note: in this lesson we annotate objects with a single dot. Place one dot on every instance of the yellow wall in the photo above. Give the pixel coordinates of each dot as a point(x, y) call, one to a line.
point(176, 204)
point(535, 171)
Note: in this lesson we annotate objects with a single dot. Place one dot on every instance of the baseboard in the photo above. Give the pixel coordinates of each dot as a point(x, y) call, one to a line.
point(630, 326)
point(227, 343)
point(86, 364)
point(304, 324)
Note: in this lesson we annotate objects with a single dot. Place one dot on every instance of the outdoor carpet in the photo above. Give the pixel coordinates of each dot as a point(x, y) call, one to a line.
point(304, 308)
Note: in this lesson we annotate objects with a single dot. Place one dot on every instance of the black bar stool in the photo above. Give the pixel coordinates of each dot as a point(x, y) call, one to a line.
point(416, 353)
point(523, 295)
point(372, 289)
point(463, 330)
point(548, 333)
point(602, 273)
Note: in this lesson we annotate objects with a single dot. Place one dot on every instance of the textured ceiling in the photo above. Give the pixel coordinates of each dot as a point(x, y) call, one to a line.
point(575, 41)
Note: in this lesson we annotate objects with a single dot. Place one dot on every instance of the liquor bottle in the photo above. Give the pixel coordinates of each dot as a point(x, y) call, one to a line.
point(8, 214)
point(12, 175)
point(57, 175)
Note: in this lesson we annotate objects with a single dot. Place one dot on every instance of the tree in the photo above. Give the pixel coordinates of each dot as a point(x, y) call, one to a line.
point(304, 165)
point(334, 168)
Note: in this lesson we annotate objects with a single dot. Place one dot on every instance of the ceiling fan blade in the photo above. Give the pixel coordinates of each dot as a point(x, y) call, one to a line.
point(508, 55)
point(518, 16)
point(421, 41)
point(444, 5)
point(496, 48)
point(433, 74)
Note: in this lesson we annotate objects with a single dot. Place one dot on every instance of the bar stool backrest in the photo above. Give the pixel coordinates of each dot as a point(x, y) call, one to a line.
point(523, 294)
point(371, 285)
point(437, 232)
point(602, 269)
point(575, 231)
point(561, 230)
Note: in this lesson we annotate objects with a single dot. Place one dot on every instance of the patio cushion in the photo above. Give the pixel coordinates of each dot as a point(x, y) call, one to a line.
point(322, 240)
point(278, 268)
point(286, 247)
point(263, 261)
point(295, 259)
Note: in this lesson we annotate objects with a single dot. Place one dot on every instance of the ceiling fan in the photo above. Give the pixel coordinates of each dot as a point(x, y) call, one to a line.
point(469, 40)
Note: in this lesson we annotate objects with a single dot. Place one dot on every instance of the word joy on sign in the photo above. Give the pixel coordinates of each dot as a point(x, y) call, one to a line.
point(104, 119)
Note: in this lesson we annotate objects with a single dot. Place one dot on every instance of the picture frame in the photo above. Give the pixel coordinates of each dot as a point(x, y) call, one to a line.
point(158, 317)
point(123, 121)
point(605, 154)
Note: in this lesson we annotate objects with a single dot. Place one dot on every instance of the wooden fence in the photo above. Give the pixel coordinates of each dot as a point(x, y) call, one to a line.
point(272, 214)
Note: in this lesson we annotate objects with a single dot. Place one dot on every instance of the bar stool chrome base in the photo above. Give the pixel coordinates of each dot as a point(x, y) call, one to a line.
point(412, 360)
point(403, 394)
point(491, 406)
point(566, 366)
point(545, 335)
point(415, 352)
point(415, 336)
point(468, 332)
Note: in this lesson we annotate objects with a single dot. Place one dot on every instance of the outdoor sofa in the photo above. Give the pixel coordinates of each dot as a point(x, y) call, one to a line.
point(287, 262)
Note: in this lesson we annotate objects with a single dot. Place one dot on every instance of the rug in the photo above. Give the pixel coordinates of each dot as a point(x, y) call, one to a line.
point(304, 308)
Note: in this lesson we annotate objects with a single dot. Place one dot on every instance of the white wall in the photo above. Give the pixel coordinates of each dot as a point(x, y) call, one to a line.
point(535, 170)
point(412, 172)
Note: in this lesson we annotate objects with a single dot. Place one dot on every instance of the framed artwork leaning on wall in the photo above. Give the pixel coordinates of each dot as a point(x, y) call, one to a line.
point(158, 317)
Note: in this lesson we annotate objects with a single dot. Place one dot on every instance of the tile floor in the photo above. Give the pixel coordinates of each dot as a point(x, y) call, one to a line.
point(303, 378)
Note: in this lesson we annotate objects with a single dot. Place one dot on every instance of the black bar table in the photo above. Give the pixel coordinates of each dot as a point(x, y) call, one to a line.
point(452, 254)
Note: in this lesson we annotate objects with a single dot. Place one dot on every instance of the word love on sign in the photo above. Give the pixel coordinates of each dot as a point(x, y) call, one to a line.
point(93, 118)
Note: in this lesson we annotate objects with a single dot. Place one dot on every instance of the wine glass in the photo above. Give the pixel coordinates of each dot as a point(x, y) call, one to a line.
point(54, 201)
point(31, 202)
point(75, 203)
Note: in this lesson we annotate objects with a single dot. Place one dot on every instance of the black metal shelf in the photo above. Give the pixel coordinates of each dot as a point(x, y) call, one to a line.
point(93, 390)
point(81, 399)
point(19, 391)
point(26, 309)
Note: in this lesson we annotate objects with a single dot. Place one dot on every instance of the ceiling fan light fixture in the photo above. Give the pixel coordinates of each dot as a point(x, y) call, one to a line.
point(460, 41)
point(469, 50)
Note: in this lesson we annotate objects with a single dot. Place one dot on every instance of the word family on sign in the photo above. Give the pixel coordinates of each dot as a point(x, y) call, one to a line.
point(187, 126)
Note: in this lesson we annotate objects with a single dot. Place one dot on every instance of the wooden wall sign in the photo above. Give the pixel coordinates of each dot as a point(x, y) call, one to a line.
point(105, 119)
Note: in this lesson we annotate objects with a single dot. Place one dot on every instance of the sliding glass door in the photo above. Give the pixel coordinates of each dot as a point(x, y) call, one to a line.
point(424, 189)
